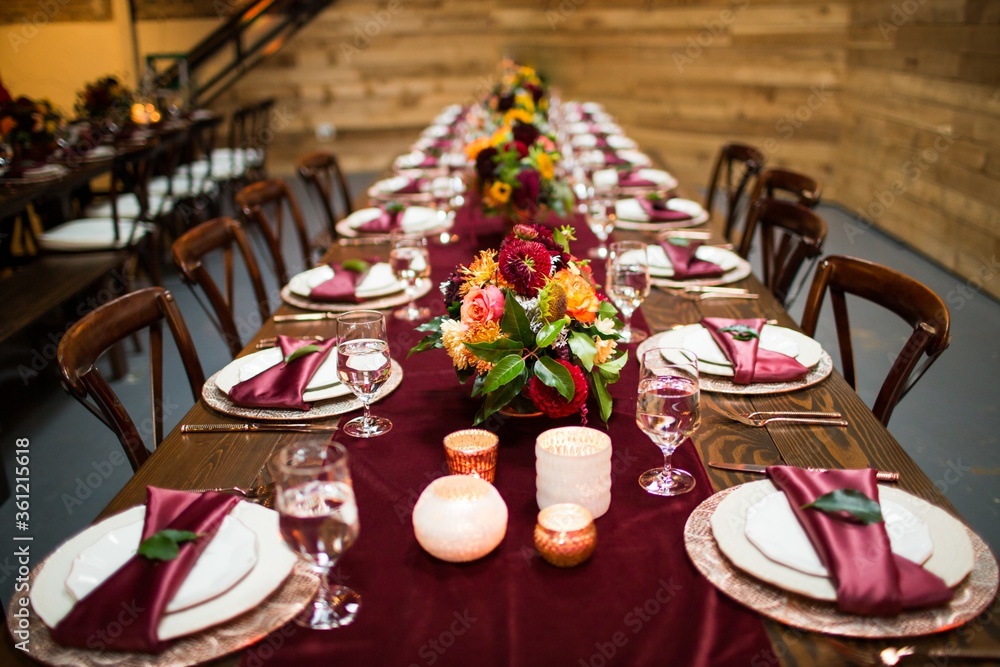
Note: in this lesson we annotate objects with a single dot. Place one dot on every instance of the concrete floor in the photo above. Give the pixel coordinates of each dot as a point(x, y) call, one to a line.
point(949, 423)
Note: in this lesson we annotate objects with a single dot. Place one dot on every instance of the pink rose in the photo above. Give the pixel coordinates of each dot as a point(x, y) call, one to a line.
point(481, 305)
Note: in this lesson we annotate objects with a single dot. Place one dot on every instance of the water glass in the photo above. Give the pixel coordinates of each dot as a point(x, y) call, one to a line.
point(363, 364)
point(411, 262)
point(628, 283)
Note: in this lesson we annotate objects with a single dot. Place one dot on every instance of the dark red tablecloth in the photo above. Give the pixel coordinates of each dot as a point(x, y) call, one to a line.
point(638, 601)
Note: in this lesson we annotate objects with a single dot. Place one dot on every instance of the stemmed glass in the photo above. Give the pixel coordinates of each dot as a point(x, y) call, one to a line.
point(628, 283)
point(363, 365)
point(668, 411)
point(318, 518)
point(601, 217)
point(447, 192)
point(410, 261)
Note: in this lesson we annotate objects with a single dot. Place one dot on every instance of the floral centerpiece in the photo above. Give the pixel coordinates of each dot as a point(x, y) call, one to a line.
point(104, 99)
point(30, 127)
point(520, 89)
point(529, 326)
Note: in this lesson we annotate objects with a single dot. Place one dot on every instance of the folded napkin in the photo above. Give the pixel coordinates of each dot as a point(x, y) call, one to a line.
point(282, 385)
point(681, 253)
point(339, 289)
point(630, 178)
point(611, 158)
point(658, 211)
point(412, 187)
point(141, 589)
point(752, 363)
point(870, 579)
point(386, 222)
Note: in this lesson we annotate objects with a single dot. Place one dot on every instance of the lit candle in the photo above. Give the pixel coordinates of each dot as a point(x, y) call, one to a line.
point(565, 534)
point(459, 518)
point(573, 465)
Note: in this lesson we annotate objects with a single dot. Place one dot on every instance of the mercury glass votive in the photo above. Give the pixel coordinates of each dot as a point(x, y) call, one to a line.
point(459, 518)
point(472, 451)
point(573, 465)
point(565, 534)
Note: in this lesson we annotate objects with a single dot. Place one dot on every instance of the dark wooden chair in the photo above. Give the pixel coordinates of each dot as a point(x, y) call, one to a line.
point(790, 236)
point(324, 178)
point(735, 166)
point(913, 301)
point(220, 235)
point(786, 185)
point(102, 328)
point(263, 204)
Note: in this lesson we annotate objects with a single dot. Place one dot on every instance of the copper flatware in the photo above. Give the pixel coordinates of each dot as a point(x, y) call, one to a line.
point(255, 427)
point(880, 475)
point(306, 317)
point(265, 343)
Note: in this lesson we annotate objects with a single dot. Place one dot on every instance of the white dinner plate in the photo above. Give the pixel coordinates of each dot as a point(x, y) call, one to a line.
point(697, 339)
point(379, 281)
point(951, 560)
point(52, 601)
point(414, 160)
point(772, 527)
point(660, 266)
point(413, 220)
point(226, 559)
point(323, 386)
point(390, 186)
point(662, 180)
point(630, 212)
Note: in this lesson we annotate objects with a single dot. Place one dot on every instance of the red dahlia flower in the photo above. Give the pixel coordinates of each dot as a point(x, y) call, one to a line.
point(551, 402)
point(525, 265)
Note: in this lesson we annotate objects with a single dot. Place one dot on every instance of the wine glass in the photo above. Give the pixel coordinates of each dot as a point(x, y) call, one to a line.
point(667, 410)
point(628, 283)
point(363, 365)
point(410, 261)
point(318, 518)
point(601, 218)
point(447, 193)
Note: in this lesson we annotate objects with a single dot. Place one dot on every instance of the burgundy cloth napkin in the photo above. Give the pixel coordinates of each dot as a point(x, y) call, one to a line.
point(659, 212)
point(386, 222)
point(282, 385)
point(141, 588)
point(340, 288)
point(412, 187)
point(752, 363)
point(630, 179)
point(686, 265)
point(870, 579)
point(611, 159)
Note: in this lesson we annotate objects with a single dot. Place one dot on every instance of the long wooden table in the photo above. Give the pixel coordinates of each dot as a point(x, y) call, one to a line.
point(237, 459)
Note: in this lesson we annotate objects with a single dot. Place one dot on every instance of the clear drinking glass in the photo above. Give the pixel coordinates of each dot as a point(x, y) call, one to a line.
point(601, 218)
point(628, 283)
point(668, 411)
point(410, 262)
point(363, 365)
point(318, 518)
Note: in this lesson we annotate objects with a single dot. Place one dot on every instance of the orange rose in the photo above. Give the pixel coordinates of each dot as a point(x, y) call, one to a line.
point(581, 299)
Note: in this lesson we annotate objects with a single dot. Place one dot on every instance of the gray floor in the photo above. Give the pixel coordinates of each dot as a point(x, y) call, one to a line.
point(949, 423)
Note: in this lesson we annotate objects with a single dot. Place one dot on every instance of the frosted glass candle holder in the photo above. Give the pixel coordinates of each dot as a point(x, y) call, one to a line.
point(472, 451)
point(565, 534)
point(573, 465)
point(459, 518)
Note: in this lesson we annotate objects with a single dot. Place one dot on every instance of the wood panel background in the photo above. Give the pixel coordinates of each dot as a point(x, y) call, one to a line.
point(893, 104)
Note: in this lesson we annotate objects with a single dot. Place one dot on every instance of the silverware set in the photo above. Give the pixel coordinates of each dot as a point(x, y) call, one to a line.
point(703, 292)
point(880, 475)
point(758, 419)
point(256, 427)
point(266, 343)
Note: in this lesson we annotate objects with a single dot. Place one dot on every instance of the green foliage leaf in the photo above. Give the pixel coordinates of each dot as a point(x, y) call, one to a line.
point(301, 352)
point(496, 350)
point(515, 322)
point(584, 348)
point(563, 235)
point(165, 545)
point(355, 265)
point(857, 505)
point(608, 311)
point(679, 241)
point(504, 371)
point(434, 325)
point(499, 399)
point(740, 332)
point(550, 332)
point(611, 369)
point(555, 375)
point(428, 342)
point(600, 390)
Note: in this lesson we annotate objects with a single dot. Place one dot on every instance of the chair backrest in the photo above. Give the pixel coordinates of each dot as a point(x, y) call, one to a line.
point(790, 234)
point(786, 185)
point(111, 323)
point(913, 301)
point(250, 130)
point(735, 166)
point(323, 176)
point(263, 205)
point(221, 234)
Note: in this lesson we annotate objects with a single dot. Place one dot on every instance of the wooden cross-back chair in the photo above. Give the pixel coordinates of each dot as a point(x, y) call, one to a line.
point(908, 298)
point(220, 235)
point(735, 166)
point(324, 178)
point(108, 324)
point(263, 204)
point(790, 235)
point(786, 185)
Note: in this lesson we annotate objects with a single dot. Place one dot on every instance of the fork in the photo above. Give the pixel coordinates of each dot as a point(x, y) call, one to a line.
point(266, 343)
point(800, 418)
point(892, 655)
point(702, 296)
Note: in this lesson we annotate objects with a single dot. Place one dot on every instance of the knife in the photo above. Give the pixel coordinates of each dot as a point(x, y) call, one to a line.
point(306, 317)
point(880, 475)
point(254, 427)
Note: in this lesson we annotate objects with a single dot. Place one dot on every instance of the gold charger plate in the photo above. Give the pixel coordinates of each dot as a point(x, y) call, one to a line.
point(971, 597)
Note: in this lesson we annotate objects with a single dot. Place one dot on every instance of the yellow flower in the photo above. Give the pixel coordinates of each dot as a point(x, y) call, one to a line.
point(454, 335)
point(605, 350)
point(500, 136)
point(475, 147)
point(581, 299)
point(525, 101)
point(517, 114)
point(480, 272)
point(498, 194)
point(546, 167)
point(486, 332)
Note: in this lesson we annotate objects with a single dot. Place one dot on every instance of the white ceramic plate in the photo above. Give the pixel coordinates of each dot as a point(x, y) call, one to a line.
point(662, 180)
point(414, 220)
point(380, 281)
point(952, 559)
point(413, 160)
point(324, 385)
point(629, 210)
point(711, 360)
point(772, 527)
point(389, 186)
point(52, 601)
point(226, 559)
point(660, 266)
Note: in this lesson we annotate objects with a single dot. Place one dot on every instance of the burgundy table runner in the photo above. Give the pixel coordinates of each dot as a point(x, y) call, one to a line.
point(638, 601)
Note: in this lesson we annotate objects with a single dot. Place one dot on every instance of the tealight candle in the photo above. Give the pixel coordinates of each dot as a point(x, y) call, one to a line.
point(472, 451)
point(459, 518)
point(565, 534)
point(573, 465)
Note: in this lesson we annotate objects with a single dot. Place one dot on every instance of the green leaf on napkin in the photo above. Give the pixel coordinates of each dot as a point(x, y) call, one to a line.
point(681, 242)
point(395, 207)
point(856, 504)
point(740, 332)
point(165, 545)
point(301, 352)
point(355, 265)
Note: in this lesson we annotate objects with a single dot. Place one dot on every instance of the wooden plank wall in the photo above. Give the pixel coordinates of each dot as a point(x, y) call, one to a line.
point(816, 85)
